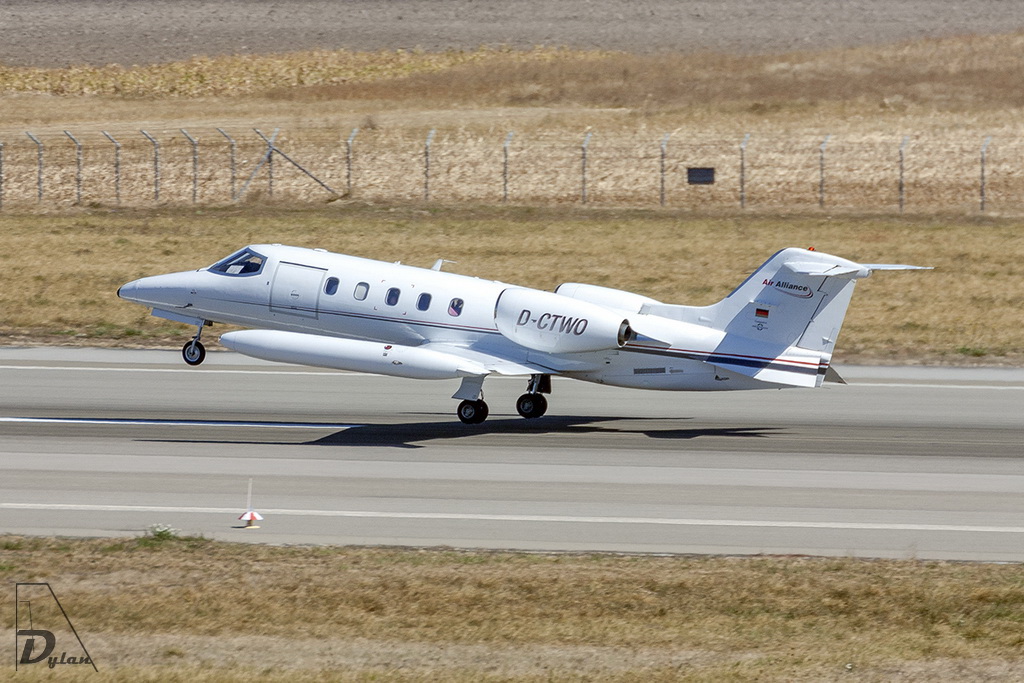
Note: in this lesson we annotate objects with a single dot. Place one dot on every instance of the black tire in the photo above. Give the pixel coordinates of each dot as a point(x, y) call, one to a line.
point(472, 412)
point(532, 405)
point(193, 352)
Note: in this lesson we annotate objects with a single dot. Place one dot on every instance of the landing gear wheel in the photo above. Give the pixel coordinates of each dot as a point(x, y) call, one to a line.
point(193, 352)
point(472, 412)
point(532, 405)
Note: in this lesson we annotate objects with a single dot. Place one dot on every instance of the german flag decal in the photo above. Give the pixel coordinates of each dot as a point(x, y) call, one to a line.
point(761, 313)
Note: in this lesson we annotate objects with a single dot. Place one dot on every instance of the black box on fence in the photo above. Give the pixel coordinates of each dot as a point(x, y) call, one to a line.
point(700, 176)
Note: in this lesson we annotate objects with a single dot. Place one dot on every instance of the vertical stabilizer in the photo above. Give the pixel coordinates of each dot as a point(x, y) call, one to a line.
point(797, 298)
point(782, 323)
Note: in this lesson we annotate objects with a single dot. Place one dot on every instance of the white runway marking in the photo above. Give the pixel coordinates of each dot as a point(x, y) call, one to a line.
point(323, 373)
point(174, 423)
point(998, 387)
point(190, 370)
point(564, 519)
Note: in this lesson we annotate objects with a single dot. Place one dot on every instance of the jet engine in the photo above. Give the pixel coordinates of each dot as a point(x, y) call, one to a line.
point(553, 323)
point(605, 296)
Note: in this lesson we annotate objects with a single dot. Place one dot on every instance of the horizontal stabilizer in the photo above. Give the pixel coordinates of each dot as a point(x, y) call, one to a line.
point(844, 270)
point(825, 269)
point(894, 266)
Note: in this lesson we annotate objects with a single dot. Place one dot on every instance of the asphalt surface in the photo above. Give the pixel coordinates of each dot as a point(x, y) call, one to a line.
point(59, 33)
point(903, 462)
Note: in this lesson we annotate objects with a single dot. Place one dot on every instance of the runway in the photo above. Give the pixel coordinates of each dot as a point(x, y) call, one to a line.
point(902, 462)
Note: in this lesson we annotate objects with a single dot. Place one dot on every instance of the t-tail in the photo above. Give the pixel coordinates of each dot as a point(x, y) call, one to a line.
point(781, 324)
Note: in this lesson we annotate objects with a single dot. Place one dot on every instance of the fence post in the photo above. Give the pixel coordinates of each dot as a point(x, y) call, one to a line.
point(743, 171)
point(984, 151)
point(504, 167)
point(259, 165)
point(821, 172)
point(78, 168)
point(902, 186)
point(195, 164)
point(117, 166)
point(583, 169)
point(156, 165)
point(231, 158)
point(270, 166)
point(1, 176)
point(294, 163)
point(39, 166)
point(664, 154)
point(348, 161)
point(426, 165)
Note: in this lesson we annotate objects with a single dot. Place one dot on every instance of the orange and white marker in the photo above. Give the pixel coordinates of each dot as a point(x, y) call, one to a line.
point(250, 515)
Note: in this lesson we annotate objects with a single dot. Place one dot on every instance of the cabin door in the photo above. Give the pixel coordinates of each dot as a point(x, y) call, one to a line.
point(296, 290)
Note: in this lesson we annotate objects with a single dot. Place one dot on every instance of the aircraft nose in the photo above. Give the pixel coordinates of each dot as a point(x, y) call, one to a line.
point(173, 290)
point(127, 290)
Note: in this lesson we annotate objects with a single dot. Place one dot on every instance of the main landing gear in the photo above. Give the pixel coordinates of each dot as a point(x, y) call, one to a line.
point(193, 351)
point(473, 412)
point(530, 405)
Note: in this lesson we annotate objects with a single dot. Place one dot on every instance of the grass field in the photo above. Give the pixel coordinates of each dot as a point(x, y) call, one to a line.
point(61, 271)
point(166, 608)
point(938, 99)
point(162, 608)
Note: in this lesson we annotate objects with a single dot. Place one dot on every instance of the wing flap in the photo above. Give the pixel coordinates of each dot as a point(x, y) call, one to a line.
point(491, 363)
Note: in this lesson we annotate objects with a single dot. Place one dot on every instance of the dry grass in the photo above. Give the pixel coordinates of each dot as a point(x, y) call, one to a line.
point(960, 73)
point(151, 609)
point(945, 95)
point(232, 76)
point(61, 271)
point(544, 167)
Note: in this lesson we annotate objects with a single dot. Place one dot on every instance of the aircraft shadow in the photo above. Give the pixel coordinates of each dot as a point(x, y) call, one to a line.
point(416, 434)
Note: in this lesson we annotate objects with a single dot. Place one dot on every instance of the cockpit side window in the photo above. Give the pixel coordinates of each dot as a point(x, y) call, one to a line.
point(243, 263)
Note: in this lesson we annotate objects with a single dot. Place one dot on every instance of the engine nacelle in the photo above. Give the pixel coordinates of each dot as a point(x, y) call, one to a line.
point(605, 296)
point(553, 323)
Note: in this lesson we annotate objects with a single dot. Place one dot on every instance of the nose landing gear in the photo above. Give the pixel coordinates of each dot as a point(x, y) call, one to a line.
point(193, 352)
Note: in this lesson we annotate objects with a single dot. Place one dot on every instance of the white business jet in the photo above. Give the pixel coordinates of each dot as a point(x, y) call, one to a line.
point(777, 329)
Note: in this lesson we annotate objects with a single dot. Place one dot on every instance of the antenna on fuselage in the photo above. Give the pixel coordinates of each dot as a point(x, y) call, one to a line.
point(439, 263)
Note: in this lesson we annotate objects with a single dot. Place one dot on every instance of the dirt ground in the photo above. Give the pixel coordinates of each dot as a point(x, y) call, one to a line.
point(64, 32)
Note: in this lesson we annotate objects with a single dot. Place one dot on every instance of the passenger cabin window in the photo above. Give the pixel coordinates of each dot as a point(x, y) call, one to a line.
point(244, 263)
point(331, 287)
point(362, 289)
point(423, 302)
point(455, 308)
point(391, 298)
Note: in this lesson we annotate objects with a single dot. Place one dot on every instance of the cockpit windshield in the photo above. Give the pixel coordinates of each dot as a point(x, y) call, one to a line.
point(242, 263)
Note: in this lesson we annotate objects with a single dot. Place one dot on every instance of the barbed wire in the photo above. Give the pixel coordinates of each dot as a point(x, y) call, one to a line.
point(208, 164)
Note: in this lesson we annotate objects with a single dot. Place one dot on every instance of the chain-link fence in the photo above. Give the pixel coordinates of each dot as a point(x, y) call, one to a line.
point(885, 173)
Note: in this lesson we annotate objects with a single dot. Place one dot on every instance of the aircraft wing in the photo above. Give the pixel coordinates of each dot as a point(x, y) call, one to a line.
point(524, 362)
point(427, 361)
